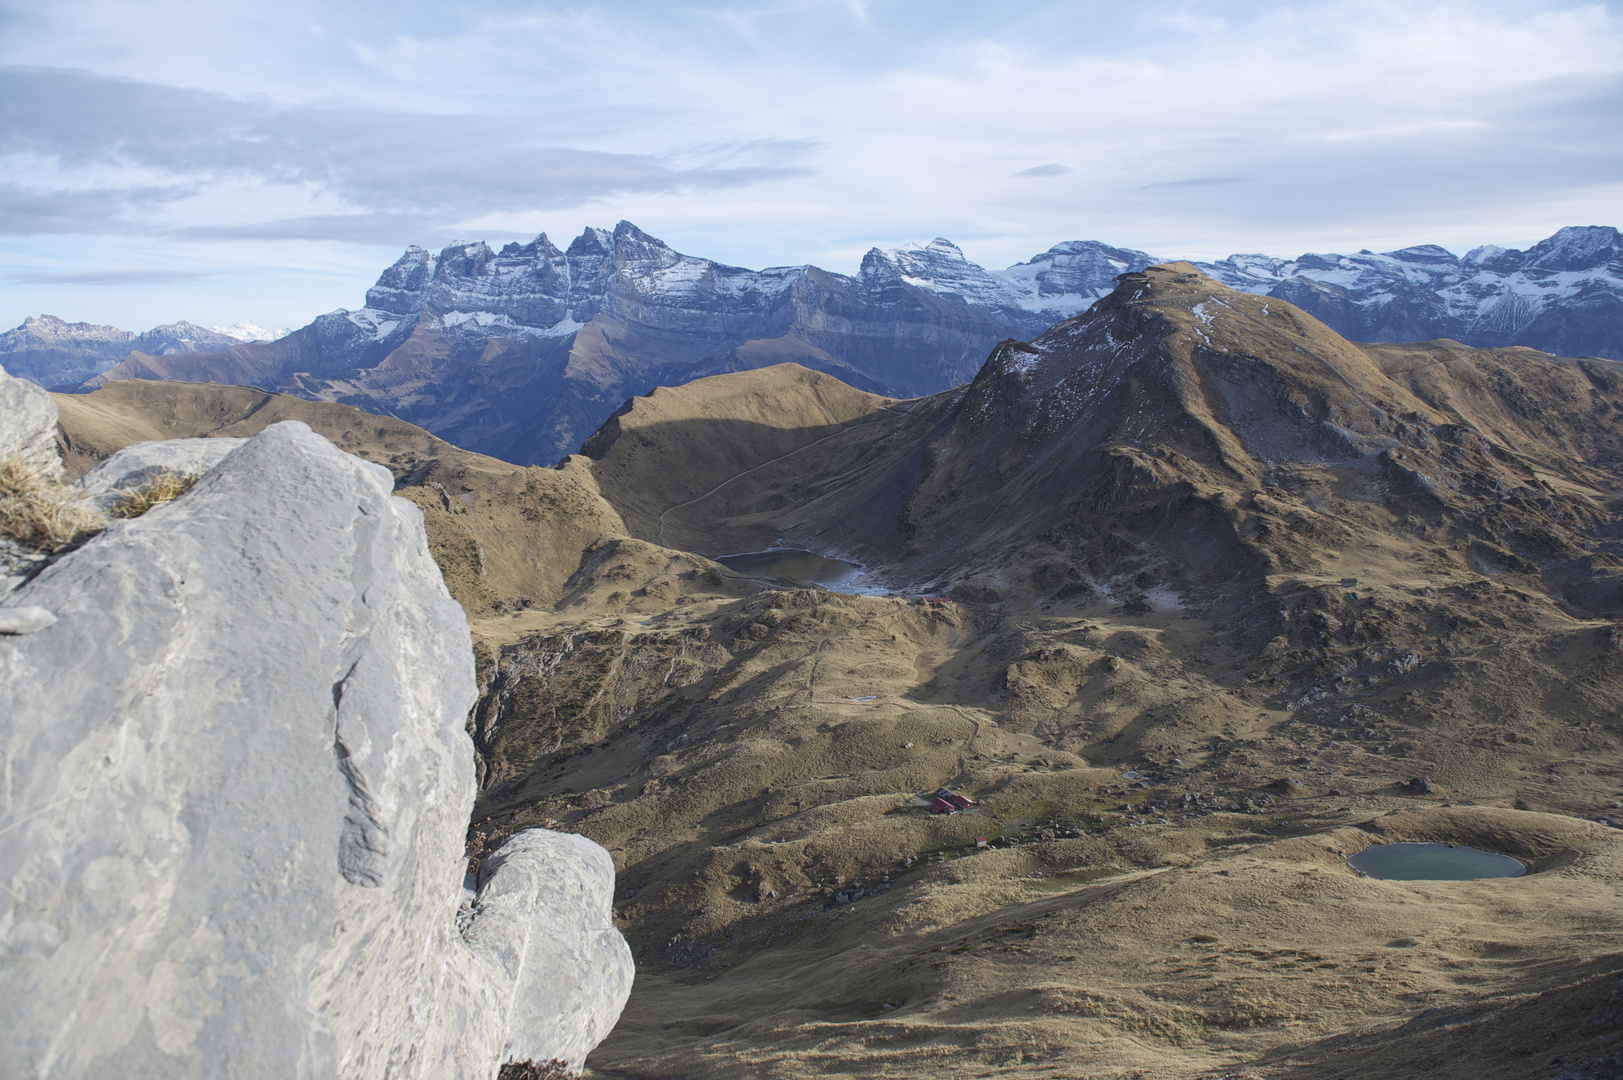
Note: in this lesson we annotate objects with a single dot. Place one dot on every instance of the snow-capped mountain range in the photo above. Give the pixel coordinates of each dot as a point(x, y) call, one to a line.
point(1564, 295)
point(536, 290)
point(523, 352)
point(53, 352)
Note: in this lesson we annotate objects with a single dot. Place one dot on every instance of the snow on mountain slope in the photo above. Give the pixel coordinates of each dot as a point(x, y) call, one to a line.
point(248, 330)
point(1062, 281)
point(1564, 295)
point(1066, 279)
point(53, 352)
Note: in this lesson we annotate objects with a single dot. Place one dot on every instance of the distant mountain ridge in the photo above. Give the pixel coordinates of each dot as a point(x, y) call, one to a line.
point(1564, 295)
point(525, 351)
point(53, 352)
point(522, 353)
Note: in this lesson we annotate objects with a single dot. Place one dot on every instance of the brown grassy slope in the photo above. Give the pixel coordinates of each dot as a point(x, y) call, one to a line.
point(254, 363)
point(1181, 431)
point(750, 762)
point(677, 444)
point(753, 763)
point(505, 537)
point(751, 758)
point(95, 425)
point(1180, 434)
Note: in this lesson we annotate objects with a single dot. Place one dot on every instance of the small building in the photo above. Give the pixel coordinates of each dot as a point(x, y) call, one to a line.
point(950, 802)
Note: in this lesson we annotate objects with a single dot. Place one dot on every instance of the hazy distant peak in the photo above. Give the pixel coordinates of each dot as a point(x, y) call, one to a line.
point(250, 331)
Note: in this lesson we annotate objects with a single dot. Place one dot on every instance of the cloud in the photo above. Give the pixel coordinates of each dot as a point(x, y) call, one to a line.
point(1195, 181)
point(309, 131)
point(377, 169)
point(133, 275)
point(1045, 170)
point(26, 210)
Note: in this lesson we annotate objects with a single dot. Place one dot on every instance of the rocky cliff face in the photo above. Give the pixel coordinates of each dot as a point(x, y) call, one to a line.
point(523, 352)
point(239, 786)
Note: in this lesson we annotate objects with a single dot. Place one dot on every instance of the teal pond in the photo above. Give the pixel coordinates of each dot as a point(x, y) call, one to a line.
point(795, 564)
point(1433, 862)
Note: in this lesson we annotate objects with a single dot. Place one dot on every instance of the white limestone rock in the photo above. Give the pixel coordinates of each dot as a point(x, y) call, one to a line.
point(237, 785)
point(138, 464)
point(24, 620)
point(571, 971)
point(28, 424)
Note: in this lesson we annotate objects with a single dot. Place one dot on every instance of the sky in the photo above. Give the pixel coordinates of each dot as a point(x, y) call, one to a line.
point(189, 159)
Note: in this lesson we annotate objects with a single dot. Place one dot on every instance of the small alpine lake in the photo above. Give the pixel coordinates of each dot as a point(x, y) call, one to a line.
point(1407, 861)
point(796, 564)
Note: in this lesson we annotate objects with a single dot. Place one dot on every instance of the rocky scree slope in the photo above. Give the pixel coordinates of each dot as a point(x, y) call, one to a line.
point(240, 783)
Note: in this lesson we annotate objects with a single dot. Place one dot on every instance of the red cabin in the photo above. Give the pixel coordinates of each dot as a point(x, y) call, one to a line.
point(950, 802)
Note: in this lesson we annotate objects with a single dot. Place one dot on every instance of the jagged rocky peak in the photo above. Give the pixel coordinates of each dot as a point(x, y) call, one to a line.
point(48, 326)
point(939, 267)
point(1578, 247)
point(399, 289)
point(539, 248)
point(535, 287)
point(592, 242)
point(1564, 295)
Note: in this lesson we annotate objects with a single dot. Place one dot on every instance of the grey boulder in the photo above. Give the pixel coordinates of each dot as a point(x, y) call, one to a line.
point(237, 786)
point(28, 425)
point(137, 465)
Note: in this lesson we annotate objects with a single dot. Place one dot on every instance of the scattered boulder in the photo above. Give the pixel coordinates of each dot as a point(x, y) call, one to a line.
point(1419, 785)
point(239, 787)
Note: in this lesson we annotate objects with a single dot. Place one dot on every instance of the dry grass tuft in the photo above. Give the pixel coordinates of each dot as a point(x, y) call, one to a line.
point(530, 1070)
point(165, 487)
point(38, 512)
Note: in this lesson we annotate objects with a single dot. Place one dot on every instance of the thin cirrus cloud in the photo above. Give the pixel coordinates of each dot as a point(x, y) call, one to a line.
point(131, 275)
point(1039, 171)
point(1195, 181)
point(111, 209)
point(386, 174)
